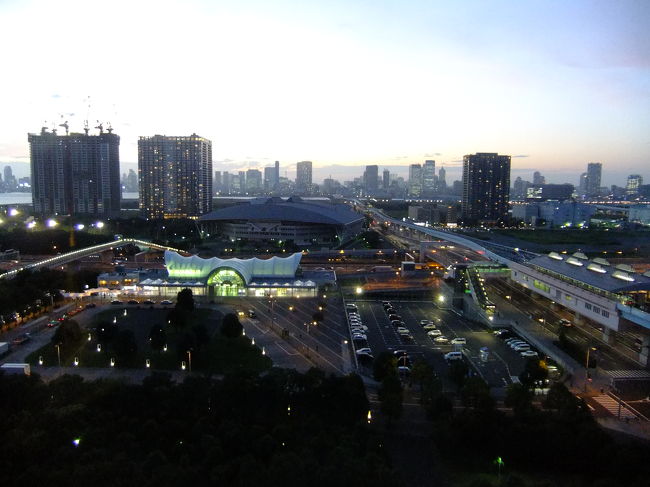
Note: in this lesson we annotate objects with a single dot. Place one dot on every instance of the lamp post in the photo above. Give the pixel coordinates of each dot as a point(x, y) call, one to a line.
point(189, 362)
point(589, 349)
point(58, 352)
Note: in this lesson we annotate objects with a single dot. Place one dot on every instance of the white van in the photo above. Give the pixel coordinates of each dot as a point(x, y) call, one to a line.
point(453, 356)
point(458, 341)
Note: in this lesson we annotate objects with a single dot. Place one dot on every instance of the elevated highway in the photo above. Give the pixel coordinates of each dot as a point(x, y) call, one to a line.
point(63, 259)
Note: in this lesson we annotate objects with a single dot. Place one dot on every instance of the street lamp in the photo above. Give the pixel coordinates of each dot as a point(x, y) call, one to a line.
point(58, 352)
point(589, 349)
point(189, 355)
point(359, 290)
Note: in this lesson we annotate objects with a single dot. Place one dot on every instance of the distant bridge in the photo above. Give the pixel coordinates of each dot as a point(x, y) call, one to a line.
point(62, 259)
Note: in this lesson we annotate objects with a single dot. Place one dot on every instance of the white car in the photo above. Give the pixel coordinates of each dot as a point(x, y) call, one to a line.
point(522, 348)
point(358, 327)
point(529, 353)
point(453, 356)
point(441, 339)
point(434, 333)
point(402, 331)
point(517, 343)
point(364, 350)
point(458, 341)
point(424, 322)
point(429, 326)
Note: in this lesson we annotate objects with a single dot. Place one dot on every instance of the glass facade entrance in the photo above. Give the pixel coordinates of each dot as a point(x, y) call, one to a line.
point(226, 282)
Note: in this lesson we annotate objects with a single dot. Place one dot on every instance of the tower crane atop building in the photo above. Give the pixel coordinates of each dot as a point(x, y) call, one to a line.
point(86, 129)
point(109, 129)
point(100, 126)
point(66, 126)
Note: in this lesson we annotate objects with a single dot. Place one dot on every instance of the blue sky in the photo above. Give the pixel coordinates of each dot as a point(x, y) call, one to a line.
point(340, 83)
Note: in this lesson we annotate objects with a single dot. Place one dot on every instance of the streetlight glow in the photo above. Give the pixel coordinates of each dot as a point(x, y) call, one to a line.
point(359, 290)
point(51, 223)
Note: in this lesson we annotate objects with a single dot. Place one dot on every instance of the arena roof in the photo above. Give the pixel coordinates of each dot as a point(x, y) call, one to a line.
point(597, 272)
point(195, 268)
point(293, 209)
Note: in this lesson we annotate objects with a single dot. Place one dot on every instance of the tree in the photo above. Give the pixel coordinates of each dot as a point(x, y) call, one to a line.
point(178, 317)
point(157, 337)
point(533, 372)
point(475, 393)
point(125, 345)
point(230, 326)
point(391, 397)
point(201, 336)
point(185, 300)
point(421, 372)
point(519, 398)
point(68, 334)
point(385, 364)
point(458, 372)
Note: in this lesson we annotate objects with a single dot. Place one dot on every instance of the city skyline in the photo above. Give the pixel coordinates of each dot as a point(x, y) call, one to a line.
point(383, 84)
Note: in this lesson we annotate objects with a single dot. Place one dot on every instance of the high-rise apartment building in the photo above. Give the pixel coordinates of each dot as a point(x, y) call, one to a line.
point(371, 179)
point(633, 183)
point(175, 176)
point(415, 180)
point(594, 172)
point(303, 177)
point(217, 185)
point(429, 178)
point(386, 180)
point(225, 182)
point(76, 174)
point(538, 178)
point(486, 186)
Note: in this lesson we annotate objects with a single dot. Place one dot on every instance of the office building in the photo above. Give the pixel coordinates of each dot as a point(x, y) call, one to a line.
point(253, 181)
point(415, 180)
point(385, 180)
point(75, 174)
point(486, 187)
point(429, 178)
point(594, 172)
point(303, 177)
point(225, 181)
point(442, 180)
point(371, 179)
point(538, 179)
point(634, 181)
point(543, 192)
point(175, 176)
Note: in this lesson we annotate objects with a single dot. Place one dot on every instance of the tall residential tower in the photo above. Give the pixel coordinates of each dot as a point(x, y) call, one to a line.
point(175, 176)
point(76, 174)
point(486, 187)
point(303, 177)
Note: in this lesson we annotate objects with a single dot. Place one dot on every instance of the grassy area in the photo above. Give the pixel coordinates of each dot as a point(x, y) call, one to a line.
point(210, 351)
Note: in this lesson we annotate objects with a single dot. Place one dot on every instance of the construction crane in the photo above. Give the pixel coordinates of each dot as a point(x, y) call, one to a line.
point(65, 125)
point(110, 128)
point(100, 127)
point(86, 129)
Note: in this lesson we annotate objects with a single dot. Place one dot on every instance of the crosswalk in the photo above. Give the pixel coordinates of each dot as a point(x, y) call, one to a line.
point(612, 405)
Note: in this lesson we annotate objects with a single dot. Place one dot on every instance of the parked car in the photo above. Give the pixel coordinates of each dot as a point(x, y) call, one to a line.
point(441, 339)
point(459, 341)
point(133, 301)
point(401, 329)
point(522, 348)
point(91, 305)
point(513, 339)
point(434, 333)
point(528, 353)
point(514, 343)
point(429, 326)
point(53, 323)
point(364, 350)
point(116, 301)
point(166, 302)
point(424, 322)
point(451, 356)
point(394, 317)
point(148, 301)
point(403, 370)
point(252, 314)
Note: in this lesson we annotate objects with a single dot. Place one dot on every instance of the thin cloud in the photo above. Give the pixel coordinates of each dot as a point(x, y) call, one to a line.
point(520, 155)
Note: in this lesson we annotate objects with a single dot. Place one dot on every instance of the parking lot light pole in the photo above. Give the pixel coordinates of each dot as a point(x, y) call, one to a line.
point(189, 356)
point(58, 352)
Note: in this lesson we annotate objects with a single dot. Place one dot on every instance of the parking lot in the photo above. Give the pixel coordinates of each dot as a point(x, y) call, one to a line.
point(502, 362)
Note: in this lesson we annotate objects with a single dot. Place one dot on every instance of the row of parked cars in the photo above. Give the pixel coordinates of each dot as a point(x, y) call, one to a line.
point(358, 333)
point(516, 343)
point(396, 321)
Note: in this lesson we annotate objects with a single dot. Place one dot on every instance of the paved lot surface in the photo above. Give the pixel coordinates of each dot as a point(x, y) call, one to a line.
point(502, 362)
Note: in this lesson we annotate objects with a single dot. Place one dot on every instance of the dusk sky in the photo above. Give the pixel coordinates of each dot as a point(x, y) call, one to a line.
point(557, 83)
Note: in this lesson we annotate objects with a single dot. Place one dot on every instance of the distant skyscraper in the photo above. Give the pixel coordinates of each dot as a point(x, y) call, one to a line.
point(486, 186)
point(216, 183)
point(429, 178)
point(633, 183)
point(415, 180)
point(225, 182)
point(175, 176)
point(594, 172)
point(386, 179)
point(253, 180)
point(582, 185)
point(371, 179)
point(76, 174)
point(303, 177)
point(442, 179)
point(538, 178)
point(10, 180)
point(520, 188)
point(276, 183)
point(242, 182)
point(269, 178)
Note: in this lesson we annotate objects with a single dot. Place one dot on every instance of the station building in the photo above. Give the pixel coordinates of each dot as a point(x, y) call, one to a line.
point(216, 277)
